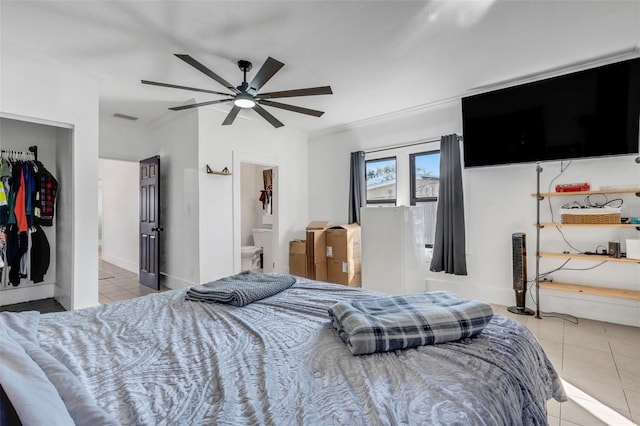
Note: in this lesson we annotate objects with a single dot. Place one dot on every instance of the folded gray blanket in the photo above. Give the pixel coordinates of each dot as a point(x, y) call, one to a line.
point(399, 322)
point(241, 289)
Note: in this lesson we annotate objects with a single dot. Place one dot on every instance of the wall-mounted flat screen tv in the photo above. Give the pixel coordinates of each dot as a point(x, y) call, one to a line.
point(590, 113)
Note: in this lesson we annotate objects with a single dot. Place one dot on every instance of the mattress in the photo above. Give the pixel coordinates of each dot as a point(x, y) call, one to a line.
point(163, 360)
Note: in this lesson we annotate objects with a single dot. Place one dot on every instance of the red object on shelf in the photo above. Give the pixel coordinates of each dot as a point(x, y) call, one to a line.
point(573, 187)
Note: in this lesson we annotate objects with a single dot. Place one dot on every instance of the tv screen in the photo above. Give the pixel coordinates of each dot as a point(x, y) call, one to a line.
point(589, 113)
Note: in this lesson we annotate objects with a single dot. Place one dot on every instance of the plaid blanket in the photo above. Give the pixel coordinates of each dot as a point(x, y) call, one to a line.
point(241, 289)
point(399, 322)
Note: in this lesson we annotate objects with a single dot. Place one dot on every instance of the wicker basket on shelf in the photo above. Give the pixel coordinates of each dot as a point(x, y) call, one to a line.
point(590, 216)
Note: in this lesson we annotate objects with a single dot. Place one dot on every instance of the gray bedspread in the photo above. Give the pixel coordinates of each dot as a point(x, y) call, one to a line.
point(161, 360)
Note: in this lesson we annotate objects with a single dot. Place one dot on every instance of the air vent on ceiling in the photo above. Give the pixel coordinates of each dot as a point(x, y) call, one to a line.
point(124, 116)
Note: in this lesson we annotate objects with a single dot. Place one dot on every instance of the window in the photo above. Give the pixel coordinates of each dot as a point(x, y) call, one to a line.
point(424, 171)
point(381, 181)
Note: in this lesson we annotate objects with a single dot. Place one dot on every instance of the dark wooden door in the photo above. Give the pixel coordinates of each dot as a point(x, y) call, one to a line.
point(150, 228)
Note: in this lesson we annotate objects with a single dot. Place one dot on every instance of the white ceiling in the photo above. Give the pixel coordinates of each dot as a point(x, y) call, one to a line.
point(378, 56)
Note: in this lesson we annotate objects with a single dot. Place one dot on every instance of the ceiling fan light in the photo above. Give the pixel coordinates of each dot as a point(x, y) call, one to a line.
point(244, 101)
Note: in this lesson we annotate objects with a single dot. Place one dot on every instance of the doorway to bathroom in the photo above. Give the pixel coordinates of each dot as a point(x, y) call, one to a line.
point(118, 218)
point(257, 211)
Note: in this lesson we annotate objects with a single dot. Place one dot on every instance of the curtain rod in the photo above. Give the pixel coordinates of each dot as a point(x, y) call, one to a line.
point(407, 145)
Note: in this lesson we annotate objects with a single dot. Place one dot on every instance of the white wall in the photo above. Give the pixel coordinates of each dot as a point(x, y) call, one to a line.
point(176, 141)
point(124, 140)
point(329, 154)
point(65, 290)
point(201, 212)
point(41, 88)
point(199, 233)
point(498, 202)
point(250, 140)
point(122, 145)
point(120, 217)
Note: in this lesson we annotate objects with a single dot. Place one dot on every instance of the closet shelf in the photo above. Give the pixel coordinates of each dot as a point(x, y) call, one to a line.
point(223, 172)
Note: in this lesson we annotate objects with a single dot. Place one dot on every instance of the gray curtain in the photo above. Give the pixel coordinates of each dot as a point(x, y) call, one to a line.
point(357, 186)
point(449, 243)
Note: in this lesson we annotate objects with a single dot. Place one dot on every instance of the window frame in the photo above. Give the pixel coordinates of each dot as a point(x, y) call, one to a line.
point(413, 200)
point(393, 201)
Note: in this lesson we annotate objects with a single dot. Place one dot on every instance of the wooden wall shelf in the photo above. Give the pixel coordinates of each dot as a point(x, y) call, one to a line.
point(223, 172)
point(580, 288)
point(591, 225)
point(603, 191)
point(589, 289)
point(591, 257)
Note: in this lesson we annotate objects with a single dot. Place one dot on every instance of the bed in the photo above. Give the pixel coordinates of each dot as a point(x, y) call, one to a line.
point(164, 360)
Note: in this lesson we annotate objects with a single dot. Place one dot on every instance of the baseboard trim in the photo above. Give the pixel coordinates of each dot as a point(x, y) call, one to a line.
point(121, 263)
point(174, 283)
point(14, 295)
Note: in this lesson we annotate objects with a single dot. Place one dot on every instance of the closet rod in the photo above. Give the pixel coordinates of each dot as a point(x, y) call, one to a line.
point(389, 148)
point(34, 149)
point(33, 152)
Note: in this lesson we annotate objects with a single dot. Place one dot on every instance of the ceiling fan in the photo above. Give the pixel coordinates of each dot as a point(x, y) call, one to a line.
point(246, 95)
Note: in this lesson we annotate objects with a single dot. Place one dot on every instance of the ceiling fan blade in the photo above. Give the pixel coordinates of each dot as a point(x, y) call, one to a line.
point(197, 65)
point(155, 83)
point(293, 108)
point(231, 116)
point(323, 90)
point(219, 101)
point(268, 69)
point(267, 116)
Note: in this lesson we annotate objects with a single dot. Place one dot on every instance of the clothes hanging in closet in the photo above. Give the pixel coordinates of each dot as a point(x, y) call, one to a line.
point(40, 255)
point(4, 208)
point(46, 191)
point(27, 202)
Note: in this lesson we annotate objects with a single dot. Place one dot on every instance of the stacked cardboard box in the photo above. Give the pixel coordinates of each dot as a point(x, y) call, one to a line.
point(343, 255)
point(316, 251)
point(298, 258)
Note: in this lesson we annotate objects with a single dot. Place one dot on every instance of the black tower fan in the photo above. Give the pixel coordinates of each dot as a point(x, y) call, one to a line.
point(519, 244)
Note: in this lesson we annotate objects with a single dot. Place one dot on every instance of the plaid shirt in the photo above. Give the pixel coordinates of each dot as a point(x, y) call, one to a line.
point(399, 322)
point(47, 188)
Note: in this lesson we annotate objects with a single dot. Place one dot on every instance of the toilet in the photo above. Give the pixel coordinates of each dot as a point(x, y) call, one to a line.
point(250, 258)
point(251, 255)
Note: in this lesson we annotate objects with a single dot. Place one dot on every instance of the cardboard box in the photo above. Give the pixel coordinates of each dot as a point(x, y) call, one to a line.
point(316, 271)
point(298, 258)
point(316, 249)
point(318, 224)
point(345, 272)
point(343, 242)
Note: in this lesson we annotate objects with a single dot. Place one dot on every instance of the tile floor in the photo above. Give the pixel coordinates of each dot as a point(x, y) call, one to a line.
point(600, 365)
point(599, 361)
point(115, 284)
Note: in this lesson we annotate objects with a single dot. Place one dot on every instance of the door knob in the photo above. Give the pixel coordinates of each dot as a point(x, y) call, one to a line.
point(158, 229)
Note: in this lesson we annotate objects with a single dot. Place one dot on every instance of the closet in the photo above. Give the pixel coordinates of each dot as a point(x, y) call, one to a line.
point(24, 142)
